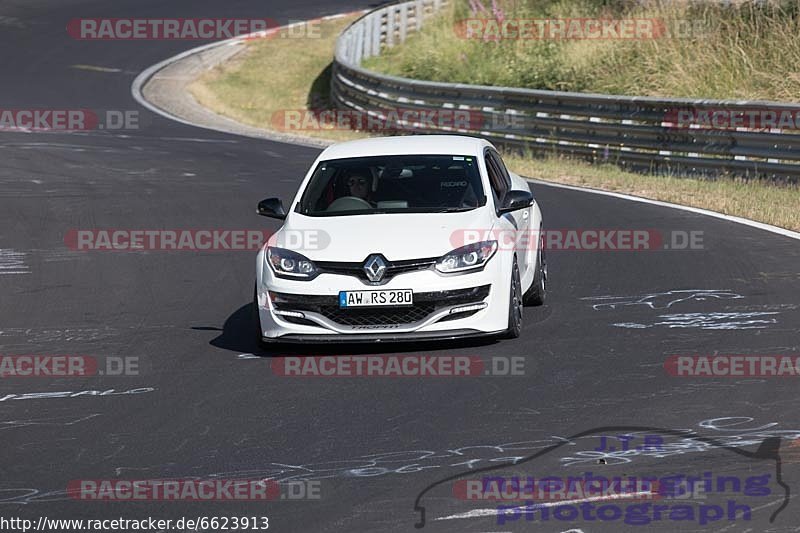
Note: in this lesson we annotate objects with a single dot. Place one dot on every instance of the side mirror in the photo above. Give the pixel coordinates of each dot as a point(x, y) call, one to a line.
point(515, 200)
point(271, 207)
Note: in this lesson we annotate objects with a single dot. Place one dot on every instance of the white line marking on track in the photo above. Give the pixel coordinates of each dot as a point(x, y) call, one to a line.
point(13, 262)
point(95, 68)
point(730, 218)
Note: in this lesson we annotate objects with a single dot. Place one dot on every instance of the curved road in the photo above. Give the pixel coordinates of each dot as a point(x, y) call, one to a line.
point(204, 406)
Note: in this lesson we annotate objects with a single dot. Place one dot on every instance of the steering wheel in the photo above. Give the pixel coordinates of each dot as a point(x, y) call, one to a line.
point(349, 203)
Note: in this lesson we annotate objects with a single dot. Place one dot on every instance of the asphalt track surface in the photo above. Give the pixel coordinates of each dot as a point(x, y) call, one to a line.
point(205, 410)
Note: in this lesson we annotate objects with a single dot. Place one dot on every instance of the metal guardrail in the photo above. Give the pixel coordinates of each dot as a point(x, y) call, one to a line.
point(632, 131)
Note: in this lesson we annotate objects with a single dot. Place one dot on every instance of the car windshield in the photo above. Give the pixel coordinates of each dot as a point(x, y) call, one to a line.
point(393, 184)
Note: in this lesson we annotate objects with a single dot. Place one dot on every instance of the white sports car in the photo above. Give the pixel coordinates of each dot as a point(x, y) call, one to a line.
point(401, 238)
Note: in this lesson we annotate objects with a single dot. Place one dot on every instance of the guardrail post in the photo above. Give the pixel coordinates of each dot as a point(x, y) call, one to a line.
point(363, 51)
point(376, 34)
point(390, 14)
point(403, 21)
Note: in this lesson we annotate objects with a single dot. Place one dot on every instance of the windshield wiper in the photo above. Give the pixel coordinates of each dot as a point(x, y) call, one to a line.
point(454, 209)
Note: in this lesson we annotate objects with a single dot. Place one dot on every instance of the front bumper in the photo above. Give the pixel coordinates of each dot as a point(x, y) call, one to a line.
point(307, 311)
point(293, 338)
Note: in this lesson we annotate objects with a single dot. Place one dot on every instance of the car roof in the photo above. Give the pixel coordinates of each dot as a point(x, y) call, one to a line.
point(406, 145)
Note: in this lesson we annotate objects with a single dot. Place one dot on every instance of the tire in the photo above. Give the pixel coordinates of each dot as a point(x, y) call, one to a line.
point(514, 305)
point(536, 294)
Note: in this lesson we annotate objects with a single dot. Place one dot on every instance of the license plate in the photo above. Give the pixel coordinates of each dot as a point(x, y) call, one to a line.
point(384, 298)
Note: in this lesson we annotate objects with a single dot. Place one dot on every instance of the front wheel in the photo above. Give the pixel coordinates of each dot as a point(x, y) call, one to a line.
point(514, 305)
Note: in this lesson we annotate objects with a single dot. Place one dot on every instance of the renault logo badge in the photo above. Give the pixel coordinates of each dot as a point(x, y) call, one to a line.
point(375, 267)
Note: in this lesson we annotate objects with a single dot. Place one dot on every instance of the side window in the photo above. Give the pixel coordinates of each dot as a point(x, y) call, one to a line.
point(499, 161)
point(496, 179)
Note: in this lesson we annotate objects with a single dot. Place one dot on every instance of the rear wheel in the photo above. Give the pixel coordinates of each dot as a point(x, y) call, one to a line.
point(537, 292)
point(515, 305)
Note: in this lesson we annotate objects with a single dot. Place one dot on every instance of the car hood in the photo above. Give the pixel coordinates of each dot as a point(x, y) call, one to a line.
point(396, 236)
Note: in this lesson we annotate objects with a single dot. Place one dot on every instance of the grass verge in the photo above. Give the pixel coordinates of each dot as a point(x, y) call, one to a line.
point(271, 76)
point(776, 204)
point(744, 50)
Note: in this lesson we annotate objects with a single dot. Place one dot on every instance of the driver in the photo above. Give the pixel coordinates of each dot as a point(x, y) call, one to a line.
point(359, 184)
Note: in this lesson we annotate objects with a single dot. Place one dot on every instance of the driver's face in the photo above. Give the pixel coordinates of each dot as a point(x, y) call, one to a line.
point(358, 186)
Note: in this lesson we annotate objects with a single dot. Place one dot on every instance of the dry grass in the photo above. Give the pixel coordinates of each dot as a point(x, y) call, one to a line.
point(271, 76)
point(750, 51)
point(778, 205)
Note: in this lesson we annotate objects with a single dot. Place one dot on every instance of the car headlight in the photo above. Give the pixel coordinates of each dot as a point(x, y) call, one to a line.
point(469, 257)
point(289, 264)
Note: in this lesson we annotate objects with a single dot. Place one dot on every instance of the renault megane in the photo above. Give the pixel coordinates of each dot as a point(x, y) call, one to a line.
point(401, 238)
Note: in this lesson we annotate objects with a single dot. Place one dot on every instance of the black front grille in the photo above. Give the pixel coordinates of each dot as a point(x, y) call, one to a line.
point(393, 268)
point(378, 316)
point(425, 303)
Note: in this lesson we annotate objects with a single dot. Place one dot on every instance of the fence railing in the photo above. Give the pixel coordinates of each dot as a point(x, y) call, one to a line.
point(642, 132)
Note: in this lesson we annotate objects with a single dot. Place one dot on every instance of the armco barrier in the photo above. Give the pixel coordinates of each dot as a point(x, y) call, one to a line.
point(633, 131)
